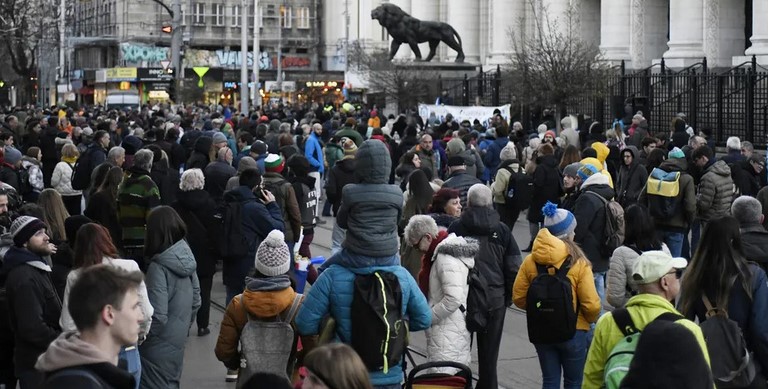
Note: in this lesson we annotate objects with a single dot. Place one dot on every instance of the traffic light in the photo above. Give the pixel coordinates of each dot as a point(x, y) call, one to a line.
point(167, 29)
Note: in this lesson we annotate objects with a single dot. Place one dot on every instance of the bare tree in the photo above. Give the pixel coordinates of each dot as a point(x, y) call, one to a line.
point(554, 66)
point(406, 83)
point(26, 27)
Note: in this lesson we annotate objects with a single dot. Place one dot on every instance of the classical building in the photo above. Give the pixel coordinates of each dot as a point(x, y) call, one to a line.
point(639, 32)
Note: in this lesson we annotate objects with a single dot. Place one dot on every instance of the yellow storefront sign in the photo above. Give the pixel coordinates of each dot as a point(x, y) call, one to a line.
point(121, 74)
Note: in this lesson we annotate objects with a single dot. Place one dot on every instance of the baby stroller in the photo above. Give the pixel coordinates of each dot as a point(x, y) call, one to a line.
point(462, 378)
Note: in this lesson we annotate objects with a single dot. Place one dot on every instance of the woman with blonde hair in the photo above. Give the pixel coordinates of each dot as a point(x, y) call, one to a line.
point(62, 179)
point(335, 366)
point(555, 250)
point(54, 214)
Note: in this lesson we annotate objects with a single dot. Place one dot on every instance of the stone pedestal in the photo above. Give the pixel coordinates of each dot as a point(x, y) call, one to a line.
point(759, 28)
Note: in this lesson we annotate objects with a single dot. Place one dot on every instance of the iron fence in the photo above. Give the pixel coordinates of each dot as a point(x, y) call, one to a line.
point(733, 102)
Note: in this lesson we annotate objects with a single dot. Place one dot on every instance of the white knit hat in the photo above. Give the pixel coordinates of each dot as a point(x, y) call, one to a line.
point(272, 256)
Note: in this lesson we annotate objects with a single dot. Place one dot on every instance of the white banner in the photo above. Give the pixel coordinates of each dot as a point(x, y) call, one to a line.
point(460, 113)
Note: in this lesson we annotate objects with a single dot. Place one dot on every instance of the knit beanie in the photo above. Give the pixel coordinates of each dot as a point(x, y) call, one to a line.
point(274, 163)
point(586, 171)
point(509, 152)
point(246, 163)
point(558, 221)
point(349, 146)
point(12, 155)
point(550, 133)
point(272, 256)
point(219, 137)
point(676, 153)
point(454, 146)
point(24, 227)
point(572, 170)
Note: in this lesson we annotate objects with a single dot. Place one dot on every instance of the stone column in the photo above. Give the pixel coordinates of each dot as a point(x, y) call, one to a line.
point(686, 33)
point(615, 30)
point(464, 17)
point(759, 28)
point(506, 16)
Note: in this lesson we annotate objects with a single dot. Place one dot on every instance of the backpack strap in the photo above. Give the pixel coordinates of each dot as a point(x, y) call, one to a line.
point(293, 309)
point(669, 316)
point(602, 199)
point(624, 321)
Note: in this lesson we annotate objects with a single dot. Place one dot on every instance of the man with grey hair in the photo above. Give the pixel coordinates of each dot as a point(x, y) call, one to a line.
point(136, 196)
point(747, 148)
point(498, 261)
point(754, 238)
point(116, 156)
point(733, 147)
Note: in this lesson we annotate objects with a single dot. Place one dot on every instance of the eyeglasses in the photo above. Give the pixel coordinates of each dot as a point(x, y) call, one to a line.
point(677, 272)
point(418, 242)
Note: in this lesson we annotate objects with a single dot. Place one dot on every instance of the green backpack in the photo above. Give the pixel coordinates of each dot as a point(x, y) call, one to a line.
point(617, 364)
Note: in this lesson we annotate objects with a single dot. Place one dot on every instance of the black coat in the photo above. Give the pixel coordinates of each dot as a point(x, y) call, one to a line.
point(196, 208)
point(199, 157)
point(341, 174)
point(547, 186)
point(589, 212)
point(103, 210)
point(48, 144)
point(461, 181)
point(106, 375)
point(167, 181)
point(217, 174)
point(754, 242)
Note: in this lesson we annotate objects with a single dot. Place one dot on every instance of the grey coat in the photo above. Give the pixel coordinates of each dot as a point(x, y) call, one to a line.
point(371, 209)
point(174, 292)
point(715, 192)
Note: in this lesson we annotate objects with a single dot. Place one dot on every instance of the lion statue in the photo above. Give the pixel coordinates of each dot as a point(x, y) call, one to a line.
point(404, 28)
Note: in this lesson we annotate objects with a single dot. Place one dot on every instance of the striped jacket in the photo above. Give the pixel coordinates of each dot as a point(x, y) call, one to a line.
point(136, 196)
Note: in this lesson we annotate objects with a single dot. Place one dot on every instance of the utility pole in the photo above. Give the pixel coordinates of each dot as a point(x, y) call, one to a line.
point(244, 56)
point(176, 36)
point(280, 19)
point(346, 43)
point(255, 96)
point(62, 43)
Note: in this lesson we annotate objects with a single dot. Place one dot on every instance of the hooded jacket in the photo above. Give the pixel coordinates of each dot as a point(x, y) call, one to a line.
point(754, 243)
point(196, 209)
point(620, 285)
point(686, 209)
point(33, 305)
point(263, 299)
point(548, 250)
point(589, 212)
point(493, 155)
point(62, 179)
point(174, 292)
point(448, 338)
point(715, 192)
point(136, 197)
point(199, 158)
point(35, 173)
point(643, 309)
point(340, 175)
point(371, 208)
point(314, 153)
point(217, 173)
point(547, 185)
point(498, 259)
point(500, 183)
point(69, 352)
point(333, 291)
point(631, 179)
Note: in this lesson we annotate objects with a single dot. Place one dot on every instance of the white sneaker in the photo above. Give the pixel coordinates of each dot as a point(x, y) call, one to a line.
point(231, 376)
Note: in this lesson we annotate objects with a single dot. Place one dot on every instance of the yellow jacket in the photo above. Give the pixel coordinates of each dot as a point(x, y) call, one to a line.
point(549, 250)
point(643, 309)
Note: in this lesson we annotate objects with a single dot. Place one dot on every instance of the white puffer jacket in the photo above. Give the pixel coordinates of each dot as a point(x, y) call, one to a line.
point(620, 275)
point(62, 180)
point(448, 338)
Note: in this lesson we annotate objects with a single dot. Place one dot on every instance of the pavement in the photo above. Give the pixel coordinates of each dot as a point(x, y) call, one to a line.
point(518, 365)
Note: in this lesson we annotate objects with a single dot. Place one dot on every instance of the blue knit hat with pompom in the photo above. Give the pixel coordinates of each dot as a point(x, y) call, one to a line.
point(560, 222)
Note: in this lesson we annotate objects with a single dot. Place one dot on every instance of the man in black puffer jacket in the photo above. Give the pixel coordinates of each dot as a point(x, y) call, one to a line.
point(498, 261)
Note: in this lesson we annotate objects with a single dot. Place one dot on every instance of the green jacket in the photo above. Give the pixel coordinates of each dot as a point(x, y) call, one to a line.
point(136, 196)
point(643, 309)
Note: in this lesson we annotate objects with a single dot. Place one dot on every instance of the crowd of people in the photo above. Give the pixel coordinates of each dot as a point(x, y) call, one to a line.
point(114, 224)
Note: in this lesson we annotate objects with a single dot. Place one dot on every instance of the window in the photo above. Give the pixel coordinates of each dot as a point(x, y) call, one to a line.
point(235, 16)
point(199, 14)
point(218, 14)
point(285, 17)
point(302, 18)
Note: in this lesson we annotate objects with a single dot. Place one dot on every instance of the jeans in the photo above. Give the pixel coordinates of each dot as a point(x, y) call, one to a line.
point(291, 245)
point(600, 286)
point(674, 241)
point(568, 357)
point(488, 344)
point(132, 362)
point(337, 238)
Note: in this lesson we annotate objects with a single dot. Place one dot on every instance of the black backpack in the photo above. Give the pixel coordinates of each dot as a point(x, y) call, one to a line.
point(476, 311)
point(733, 365)
point(519, 191)
point(549, 306)
point(379, 333)
point(25, 187)
point(81, 172)
point(228, 233)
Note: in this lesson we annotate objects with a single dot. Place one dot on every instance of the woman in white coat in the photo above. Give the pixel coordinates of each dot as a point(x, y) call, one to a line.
point(62, 179)
point(448, 338)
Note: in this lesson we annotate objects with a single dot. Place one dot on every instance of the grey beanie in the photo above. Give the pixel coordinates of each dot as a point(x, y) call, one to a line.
point(219, 137)
point(572, 170)
point(273, 257)
point(12, 155)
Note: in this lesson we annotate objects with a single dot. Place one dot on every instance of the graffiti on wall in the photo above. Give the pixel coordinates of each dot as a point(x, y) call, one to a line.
point(232, 59)
point(136, 53)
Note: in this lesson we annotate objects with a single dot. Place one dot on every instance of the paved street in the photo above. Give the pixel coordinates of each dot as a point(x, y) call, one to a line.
point(518, 365)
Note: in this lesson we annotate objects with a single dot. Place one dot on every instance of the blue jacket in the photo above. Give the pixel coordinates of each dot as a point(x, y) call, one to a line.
point(258, 220)
point(492, 156)
point(332, 294)
point(314, 153)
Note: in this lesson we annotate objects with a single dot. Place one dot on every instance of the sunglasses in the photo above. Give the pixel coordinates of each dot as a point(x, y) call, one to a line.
point(677, 272)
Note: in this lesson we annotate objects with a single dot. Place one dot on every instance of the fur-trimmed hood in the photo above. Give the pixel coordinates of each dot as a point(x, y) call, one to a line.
point(461, 248)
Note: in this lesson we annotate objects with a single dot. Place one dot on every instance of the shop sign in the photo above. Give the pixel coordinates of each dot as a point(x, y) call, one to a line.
point(153, 74)
point(231, 59)
point(322, 84)
point(121, 74)
point(156, 86)
point(288, 86)
point(138, 53)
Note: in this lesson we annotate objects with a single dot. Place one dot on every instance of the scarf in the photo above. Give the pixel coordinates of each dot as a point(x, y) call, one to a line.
point(69, 160)
point(268, 284)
